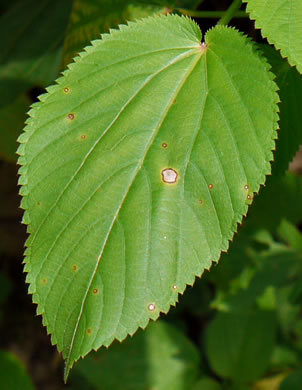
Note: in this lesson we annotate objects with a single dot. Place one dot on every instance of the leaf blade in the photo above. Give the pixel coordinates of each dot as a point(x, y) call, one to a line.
point(110, 142)
point(280, 23)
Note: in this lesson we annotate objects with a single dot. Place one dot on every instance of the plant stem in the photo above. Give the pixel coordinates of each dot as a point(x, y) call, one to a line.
point(230, 12)
point(210, 14)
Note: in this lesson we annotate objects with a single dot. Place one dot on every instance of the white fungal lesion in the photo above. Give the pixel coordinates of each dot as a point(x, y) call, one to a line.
point(151, 307)
point(169, 175)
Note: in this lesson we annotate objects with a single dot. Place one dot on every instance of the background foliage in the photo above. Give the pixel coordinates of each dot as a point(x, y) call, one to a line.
point(240, 326)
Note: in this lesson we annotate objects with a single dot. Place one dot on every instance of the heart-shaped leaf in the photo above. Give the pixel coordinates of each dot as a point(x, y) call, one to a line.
point(280, 22)
point(137, 167)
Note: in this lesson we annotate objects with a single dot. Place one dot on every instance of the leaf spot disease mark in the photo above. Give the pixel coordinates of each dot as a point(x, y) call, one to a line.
point(70, 116)
point(95, 291)
point(66, 89)
point(151, 307)
point(249, 197)
point(246, 187)
point(83, 136)
point(89, 331)
point(164, 145)
point(210, 186)
point(200, 201)
point(44, 281)
point(74, 267)
point(38, 204)
point(169, 175)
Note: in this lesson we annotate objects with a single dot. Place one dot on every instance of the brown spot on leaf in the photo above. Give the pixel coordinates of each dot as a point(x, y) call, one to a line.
point(169, 175)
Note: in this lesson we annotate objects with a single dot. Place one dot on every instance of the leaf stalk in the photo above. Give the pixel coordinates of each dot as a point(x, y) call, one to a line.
point(230, 12)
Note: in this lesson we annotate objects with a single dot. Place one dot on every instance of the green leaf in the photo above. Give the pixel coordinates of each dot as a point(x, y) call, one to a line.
point(281, 199)
point(31, 53)
point(275, 267)
point(90, 18)
point(290, 234)
point(137, 167)
point(234, 341)
point(12, 118)
point(283, 356)
point(206, 384)
point(12, 373)
point(160, 358)
point(289, 82)
point(280, 23)
point(293, 381)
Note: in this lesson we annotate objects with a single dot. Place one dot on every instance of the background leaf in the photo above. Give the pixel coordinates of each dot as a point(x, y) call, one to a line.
point(31, 53)
point(239, 344)
point(289, 82)
point(292, 382)
point(206, 384)
point(281, 199)
point(12, 373)
point(159, 358)
point(280, 23)
point(129, 196)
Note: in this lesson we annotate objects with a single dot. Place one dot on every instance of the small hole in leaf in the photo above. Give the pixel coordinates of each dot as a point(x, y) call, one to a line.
point(249, 197)
point(246, 187)
point(83, 136)
point(70, 116)
point(169, 175)
point(95, 291)
point(210, 186)
point(66, 89)
point(164, 145)
point(174, 287)
point(151, 307)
